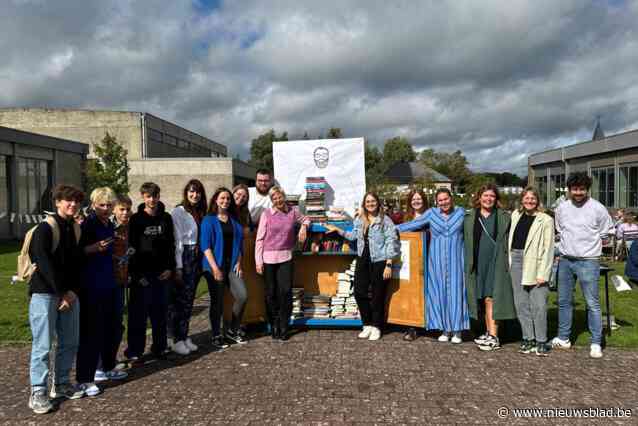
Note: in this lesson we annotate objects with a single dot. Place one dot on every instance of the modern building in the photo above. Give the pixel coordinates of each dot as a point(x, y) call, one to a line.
point(30, 166)
point(157, 149)
point(611, 161)
point(409, 173)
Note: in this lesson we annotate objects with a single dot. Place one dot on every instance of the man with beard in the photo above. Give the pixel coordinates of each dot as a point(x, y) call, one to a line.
point(582, 223)
point(258, 199)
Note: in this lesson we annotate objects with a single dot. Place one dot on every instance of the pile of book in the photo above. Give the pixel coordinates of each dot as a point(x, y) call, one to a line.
point(316, 199)
point(316, 306)
point(336, 214)
point(293, 199)
point(343, 303)
point(297, 303)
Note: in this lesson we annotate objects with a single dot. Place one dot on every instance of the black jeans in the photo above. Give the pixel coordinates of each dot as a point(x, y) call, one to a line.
point(278, 292)
point(100, 332)
point(216, 289)
point(368, 278)
point(144, 302)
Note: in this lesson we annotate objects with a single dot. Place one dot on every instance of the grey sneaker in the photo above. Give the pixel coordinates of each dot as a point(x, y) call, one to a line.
point(66, 390)
point(39, 402)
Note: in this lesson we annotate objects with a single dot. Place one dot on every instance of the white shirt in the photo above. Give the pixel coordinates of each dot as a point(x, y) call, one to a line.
point(257, 203)
point(185, 229)
point(582, 228)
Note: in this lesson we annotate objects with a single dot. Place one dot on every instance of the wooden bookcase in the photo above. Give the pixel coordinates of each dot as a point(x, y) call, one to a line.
point(318, 274)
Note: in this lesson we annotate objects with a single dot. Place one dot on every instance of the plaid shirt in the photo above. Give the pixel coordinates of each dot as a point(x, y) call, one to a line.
point(120, 260)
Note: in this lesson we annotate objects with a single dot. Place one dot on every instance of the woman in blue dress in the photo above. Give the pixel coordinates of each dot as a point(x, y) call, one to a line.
point(446, 299)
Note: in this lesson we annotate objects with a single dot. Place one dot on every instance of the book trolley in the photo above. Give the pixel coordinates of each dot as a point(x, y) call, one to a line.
point(318, 272)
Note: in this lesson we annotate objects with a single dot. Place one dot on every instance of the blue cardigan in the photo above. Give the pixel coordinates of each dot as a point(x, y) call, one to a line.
point(211, 237)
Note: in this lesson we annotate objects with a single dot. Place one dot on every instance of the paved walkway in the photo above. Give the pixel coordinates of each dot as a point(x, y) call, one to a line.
point(328, 377)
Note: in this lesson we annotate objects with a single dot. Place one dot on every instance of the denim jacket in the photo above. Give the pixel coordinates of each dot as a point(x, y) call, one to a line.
point(382, 235)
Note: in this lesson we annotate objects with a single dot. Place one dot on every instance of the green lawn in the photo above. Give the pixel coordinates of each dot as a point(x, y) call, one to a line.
point(14, 300)
point(14, 323)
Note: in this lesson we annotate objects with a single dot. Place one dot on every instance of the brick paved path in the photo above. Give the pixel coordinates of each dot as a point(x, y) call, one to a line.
point(327, 376)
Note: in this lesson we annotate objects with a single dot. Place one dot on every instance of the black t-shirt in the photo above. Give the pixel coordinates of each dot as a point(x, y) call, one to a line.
point(521, 231)
point(228, 234)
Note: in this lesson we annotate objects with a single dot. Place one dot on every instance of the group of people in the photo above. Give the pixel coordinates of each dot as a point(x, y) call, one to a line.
point(490, 265)
point(482, 263)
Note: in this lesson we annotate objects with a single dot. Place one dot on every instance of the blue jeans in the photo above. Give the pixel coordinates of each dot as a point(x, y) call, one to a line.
point(182, 296)
point(47, 322)
point(588, 273)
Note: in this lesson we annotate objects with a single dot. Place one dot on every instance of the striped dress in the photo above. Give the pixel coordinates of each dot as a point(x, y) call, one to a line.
point(446, 297)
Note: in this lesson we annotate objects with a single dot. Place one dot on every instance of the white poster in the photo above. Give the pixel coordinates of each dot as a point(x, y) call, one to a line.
point(340, 161)
point(401, 269)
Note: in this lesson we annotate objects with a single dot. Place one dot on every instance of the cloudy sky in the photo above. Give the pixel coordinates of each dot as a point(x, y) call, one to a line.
point(496, 79)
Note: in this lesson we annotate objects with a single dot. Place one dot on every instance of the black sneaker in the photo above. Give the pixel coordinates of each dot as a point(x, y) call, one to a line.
point(542, 349)
point(410, 335)
point(236, 337)
point(218, 343)
point(527, 346)
point(491, 343)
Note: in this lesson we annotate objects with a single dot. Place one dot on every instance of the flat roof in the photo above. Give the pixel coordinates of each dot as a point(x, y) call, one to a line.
point(42, 141)
point(617, 142)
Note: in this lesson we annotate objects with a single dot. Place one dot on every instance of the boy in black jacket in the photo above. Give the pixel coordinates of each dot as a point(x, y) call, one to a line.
point(54, 308)
point(151, 268)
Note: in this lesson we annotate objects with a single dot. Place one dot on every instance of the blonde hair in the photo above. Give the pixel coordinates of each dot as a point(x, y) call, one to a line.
point(274, 190)
point(534, 191)
point(103, 194)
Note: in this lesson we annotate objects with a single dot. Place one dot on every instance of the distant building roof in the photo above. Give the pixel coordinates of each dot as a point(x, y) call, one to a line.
point(407, 172)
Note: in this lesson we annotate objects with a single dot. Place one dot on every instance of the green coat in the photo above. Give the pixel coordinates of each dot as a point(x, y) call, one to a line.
point(503, 300)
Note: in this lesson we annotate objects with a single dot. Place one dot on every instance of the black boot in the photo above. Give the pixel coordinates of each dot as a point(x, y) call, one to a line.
point(274, 331)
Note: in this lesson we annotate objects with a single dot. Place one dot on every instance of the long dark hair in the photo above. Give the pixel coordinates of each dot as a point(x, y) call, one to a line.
point(411, 213)
point(241, 213)
point(364, 212)
point(198, 210)
point(212, 205)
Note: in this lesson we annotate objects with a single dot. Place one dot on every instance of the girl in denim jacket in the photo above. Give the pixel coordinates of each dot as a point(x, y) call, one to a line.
point(377, 244)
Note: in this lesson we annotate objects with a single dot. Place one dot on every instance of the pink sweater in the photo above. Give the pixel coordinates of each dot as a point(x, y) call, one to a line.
point(276, 235)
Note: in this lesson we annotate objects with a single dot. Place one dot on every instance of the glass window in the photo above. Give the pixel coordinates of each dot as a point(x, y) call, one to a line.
point(603, 185)
point(541, 184)
point(4, 185)
point(628, 186)
point(557, 184)
point(34, 186)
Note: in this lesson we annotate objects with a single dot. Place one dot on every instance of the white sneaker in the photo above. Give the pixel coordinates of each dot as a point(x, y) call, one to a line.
point(190, 345)
point(180, 348)
point(367, 329)
point(595, 351)
point(88, 389)
point(116, 374)
point(100, 376)
point(444, 338)
point(559, 343)
point(456, 338)
point(375, 333)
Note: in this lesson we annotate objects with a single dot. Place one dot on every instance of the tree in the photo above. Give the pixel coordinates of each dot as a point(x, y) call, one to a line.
point(334, 133)
point(110, 167)
point(261, 149)
point(453, 165)
point(396, 150)
point(373, 166)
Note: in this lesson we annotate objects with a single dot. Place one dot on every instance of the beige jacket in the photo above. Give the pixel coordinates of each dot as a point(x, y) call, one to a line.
point(538, 255)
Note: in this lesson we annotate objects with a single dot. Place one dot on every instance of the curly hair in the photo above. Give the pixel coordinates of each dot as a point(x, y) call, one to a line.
point(581, 179)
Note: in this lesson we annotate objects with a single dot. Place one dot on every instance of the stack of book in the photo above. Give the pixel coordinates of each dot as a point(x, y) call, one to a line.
point(297, 303)
point(316, 306)
point(343, 304)
point(336, 214)
point(316, 199)
point(293, 200)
